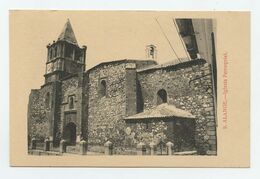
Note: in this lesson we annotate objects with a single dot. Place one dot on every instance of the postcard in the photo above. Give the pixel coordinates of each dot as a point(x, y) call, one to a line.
point(129, 88)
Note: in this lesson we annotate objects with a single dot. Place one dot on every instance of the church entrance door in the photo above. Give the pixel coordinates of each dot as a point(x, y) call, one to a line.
point(69, 133)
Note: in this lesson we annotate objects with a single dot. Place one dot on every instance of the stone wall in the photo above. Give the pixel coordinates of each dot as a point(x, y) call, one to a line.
point(39, 113)
point(147, 131)
point(188, 87)
point(105, 113)
point(179, 131)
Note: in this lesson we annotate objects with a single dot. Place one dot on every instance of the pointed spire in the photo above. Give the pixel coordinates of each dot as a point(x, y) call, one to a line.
point(67, 34)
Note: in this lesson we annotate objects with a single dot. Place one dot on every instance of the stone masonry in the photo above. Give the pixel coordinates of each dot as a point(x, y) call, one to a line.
point(189, 87)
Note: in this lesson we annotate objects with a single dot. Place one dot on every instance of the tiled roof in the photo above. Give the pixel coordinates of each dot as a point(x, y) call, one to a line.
point(178, 62)
point(148, 62)
point(162, 111)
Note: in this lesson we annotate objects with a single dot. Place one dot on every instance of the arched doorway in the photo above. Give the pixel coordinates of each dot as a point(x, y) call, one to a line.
point(69, 133)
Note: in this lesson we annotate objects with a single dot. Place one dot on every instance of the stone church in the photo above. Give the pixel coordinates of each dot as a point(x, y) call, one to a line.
point(124, 101)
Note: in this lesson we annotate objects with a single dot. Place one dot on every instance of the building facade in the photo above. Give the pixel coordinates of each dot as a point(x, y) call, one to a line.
point(125, 101)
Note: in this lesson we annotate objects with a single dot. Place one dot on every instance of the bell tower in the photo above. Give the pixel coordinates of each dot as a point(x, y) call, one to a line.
point(65, 57)
point(151, 52)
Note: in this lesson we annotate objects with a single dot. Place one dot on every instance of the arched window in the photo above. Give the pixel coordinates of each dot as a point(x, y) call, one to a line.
point(50, 53)
point(47, 100)
point(103, 88)
point(71, 103)
point(68, 51)
point(55, 52)
point(161, 97)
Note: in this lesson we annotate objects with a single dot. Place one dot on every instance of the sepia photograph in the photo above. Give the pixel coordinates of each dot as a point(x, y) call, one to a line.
point(127, 106)
point(121, 83)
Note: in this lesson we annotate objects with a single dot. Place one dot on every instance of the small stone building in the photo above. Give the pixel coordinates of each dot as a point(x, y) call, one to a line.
point(124, 101)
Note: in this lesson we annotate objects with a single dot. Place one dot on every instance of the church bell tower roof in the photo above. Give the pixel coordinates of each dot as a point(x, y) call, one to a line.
point(67, 34)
